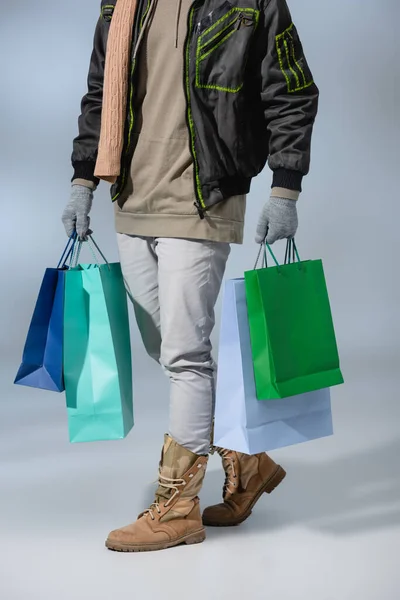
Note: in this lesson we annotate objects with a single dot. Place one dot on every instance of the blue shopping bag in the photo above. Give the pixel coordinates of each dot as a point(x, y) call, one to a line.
point(42, 360)
point(243, 423)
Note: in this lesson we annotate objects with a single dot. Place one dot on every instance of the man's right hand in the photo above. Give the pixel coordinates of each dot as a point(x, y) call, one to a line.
point(76, 214)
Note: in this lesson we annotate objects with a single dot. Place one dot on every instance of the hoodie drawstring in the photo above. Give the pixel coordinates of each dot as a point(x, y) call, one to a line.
point(149, 15)
point(178, 15)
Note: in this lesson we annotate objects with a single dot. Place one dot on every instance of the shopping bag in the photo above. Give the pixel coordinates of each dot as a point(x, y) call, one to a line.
point(42, 362)
point(242, 422)
point(97, 353)
point(292, 335)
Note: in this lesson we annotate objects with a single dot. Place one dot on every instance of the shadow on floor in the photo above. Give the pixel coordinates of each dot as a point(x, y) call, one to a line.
point(356, 493)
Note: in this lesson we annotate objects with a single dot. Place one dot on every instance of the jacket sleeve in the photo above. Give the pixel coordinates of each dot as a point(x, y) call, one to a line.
point(289, 96)
point(85, 145)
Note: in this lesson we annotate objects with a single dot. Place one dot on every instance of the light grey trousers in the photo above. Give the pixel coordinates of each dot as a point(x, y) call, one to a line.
point(174, 285)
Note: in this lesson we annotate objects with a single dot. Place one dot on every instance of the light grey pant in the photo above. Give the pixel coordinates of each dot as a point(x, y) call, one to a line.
point(174, 285)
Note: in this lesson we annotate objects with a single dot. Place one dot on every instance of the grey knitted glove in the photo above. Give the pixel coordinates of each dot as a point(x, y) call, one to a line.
point(76, 214)
point(278, 220)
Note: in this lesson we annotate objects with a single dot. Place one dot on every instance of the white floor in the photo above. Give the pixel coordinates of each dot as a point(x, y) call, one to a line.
point(330, 532)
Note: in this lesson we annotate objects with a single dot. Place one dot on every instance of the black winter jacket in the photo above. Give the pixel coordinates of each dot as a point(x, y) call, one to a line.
point(250, 98)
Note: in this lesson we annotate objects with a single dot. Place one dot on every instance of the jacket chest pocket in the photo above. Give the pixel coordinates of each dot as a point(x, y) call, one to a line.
point(222, 48)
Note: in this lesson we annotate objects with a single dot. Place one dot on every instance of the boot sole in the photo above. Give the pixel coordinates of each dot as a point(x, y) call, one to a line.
point(195, 537)
point(269, 486)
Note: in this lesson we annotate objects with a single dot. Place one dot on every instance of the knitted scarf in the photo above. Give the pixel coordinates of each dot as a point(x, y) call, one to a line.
point(115, 91)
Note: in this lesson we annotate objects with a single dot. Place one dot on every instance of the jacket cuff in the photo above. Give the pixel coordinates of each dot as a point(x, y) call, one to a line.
point(284, 178)
point(84, 169)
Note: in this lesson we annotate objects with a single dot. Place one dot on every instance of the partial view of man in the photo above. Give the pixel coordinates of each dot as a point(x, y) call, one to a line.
point(186, 103)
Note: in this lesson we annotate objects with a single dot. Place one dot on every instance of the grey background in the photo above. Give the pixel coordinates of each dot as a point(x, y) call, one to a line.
point(332, 531)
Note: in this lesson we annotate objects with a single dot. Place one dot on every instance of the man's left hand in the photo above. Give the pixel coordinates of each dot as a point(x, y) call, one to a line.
point(278, 220)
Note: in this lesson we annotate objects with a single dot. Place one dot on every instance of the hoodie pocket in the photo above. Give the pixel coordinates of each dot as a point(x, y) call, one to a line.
point(222, 50)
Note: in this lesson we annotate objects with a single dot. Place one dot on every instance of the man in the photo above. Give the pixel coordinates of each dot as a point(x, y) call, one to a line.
point(186, 102)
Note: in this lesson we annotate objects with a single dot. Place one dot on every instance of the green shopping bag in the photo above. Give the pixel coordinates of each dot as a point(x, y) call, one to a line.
point(292, 335)
point(97, 352)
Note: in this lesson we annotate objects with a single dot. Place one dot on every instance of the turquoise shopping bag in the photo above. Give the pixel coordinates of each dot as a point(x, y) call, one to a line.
point(97, 353)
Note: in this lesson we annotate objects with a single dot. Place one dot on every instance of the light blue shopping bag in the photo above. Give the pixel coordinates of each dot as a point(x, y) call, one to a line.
point(243, 423)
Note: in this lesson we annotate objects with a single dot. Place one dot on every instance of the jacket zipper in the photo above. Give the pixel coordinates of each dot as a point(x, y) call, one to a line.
point(199, 203)
point(131, 112)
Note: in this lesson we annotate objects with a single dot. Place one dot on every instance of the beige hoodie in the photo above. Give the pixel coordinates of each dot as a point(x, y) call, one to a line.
point(159, 197)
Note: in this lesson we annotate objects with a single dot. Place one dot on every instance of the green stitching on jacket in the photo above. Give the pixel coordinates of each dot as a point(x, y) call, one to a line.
point(281, 64)
point(112, 6)
point(222, 89)
point(189, 113)
point(289, 64)
point(131, 105)
point(211, 86)
point(130, 129)
point(217, 34)
point(288, 30)
point(295, 61)
point(288, 69)
point(200, 46)
point(203, 56)
point(228, 14)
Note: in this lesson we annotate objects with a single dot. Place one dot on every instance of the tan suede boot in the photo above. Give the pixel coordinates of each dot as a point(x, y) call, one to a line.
point(246, 479)
point(174, 518)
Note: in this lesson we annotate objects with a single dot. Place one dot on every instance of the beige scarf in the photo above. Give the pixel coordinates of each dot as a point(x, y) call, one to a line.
point(115, 91)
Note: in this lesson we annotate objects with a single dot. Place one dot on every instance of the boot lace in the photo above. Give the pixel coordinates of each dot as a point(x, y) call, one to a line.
point(169, 484)
point(230, 471)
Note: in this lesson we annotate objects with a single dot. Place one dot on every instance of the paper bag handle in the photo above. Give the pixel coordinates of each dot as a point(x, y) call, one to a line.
point(291, 254)
point(68, 251)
